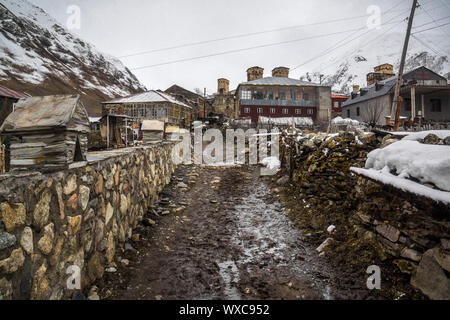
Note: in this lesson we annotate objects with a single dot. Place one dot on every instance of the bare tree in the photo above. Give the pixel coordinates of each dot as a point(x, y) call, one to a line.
point(373, 112)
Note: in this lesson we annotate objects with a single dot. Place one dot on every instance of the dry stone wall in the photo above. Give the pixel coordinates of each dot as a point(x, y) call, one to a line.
point(77, 217)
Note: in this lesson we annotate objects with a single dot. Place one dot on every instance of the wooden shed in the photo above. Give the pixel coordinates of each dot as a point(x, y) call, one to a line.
point(47, 132)
point(152, 130)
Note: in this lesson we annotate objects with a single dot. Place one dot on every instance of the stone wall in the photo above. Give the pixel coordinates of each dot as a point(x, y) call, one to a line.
point(407, 235)
point(49, 222)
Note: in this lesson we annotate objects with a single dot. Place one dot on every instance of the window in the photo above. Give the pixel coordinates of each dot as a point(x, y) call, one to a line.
point(246, 110)
point(258, 95)
point(357, 112)
point(285, 111)
point(298, 111)
point(435, 105)
point(407, 104)
point(310, 111)
point(348, 113)
point(246, 95)
point(306, 96)
point(272, 110)
point(336, 104)
point(293, 95)
point(260, 110)
point(282, 95)
point(270, 95)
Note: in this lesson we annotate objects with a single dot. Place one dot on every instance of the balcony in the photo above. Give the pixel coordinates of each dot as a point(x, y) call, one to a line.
point(277, 103)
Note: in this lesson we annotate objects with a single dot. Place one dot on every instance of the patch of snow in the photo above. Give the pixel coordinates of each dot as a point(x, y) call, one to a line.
point(385, 177)
point(415, 136)
point(408, 158)
point(271, 163)
point(341, 121)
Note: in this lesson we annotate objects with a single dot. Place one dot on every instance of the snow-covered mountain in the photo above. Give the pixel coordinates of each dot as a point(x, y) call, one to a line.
point(39, 56)
point(343, 68)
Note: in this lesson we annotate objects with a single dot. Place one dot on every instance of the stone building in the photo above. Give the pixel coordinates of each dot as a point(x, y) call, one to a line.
point(151, 105)
point(201, 106)
point(281, 97)
point(425, 94)
point(225, 100)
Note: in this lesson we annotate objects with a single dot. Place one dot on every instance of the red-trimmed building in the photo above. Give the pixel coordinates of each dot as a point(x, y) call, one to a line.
point(280, 96)
point(337, 100)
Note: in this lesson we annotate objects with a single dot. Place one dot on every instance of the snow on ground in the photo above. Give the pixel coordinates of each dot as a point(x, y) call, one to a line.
point(341, 121)
point(385, 177)
point(271, 163)
point(299, 121)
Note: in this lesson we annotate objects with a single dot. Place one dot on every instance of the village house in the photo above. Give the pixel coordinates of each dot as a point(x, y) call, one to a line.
point(47, 133)
point(281, 97)
point(426, 96)
point(337, 99)
point(225, 100)
point(200, 105)
point(151, 105)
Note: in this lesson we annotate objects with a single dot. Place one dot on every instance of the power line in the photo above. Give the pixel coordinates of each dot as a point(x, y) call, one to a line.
point(438, 26)
point(425, 24)
point(338, 44)
point(251, 34)
point(242, 36)
point(428, 46)
point(244, 49)
point(426, 11)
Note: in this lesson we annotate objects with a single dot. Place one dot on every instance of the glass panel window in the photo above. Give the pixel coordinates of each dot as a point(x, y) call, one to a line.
point(272, 110)
point(306, 96)
point(260, 110)
point(298, 111)
point(285, 111)
point(246, 94)
point(435, 105)
point(246, 110)
point(270, 95)
point(282, 95)
point(310, 111)
point(293, 95)
point(348, 113)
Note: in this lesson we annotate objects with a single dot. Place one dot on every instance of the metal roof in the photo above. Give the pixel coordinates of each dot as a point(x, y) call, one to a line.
point(149, 96)
point(7, 92)
point(37, 113)
point(280, 81)
point(371, 93)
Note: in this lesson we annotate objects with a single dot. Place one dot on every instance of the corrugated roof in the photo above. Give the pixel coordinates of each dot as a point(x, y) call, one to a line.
point(280, 81)
point(388, 84)
point(36, 113)
point(149, 96)
point(7, 92)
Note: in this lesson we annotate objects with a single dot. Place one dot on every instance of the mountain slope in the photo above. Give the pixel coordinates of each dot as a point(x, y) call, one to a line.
point(347, 67)
point(40, 57)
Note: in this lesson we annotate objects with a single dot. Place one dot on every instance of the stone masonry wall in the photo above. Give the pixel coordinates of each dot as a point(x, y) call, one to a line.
point(49, 222)
point(375, 224)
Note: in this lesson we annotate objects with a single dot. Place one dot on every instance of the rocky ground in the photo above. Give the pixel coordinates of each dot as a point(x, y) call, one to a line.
point(218, 233)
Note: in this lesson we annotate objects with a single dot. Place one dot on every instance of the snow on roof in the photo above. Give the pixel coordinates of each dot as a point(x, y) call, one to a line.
point(149, 96)
point(152, 125)
point(281, 82)
point(94, 119)
point(41, 112)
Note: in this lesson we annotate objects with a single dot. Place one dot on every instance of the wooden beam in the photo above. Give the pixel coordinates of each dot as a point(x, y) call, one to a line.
point(413, 103)
point(422, 97)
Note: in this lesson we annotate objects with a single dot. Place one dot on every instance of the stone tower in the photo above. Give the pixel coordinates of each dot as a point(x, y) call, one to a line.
point(255, 73)
point(281, 72)
point(223, 86)
point(381, 72)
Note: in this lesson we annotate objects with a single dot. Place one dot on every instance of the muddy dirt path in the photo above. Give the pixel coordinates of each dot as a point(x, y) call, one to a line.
point(224, 238)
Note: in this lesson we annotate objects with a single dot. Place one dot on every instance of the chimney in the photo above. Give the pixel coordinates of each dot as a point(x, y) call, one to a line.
point(223, 86)
point(281, 72)
point(255, 73)
point(355, 88)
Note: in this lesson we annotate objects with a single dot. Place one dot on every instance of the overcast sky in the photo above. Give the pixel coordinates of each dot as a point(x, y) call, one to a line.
point(124, 27)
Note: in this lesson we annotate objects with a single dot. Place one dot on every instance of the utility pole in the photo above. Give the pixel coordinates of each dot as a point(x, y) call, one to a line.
point(204, 103)
point(397, 102)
